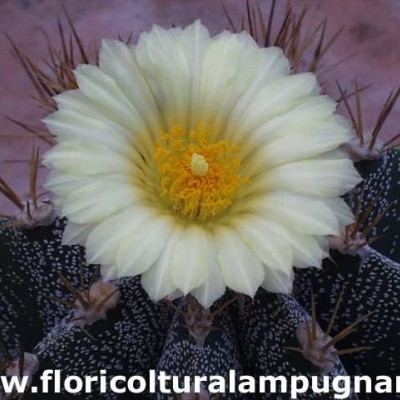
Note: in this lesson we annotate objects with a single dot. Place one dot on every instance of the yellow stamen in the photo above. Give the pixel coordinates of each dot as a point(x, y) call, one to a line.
point(197, 179)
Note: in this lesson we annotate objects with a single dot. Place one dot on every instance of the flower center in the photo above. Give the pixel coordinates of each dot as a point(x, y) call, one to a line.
point(197, 179)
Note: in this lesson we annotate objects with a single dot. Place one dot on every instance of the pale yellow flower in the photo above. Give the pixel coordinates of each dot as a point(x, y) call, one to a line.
point(199, 162)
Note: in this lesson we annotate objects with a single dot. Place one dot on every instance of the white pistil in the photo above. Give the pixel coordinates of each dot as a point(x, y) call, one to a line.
point(199, 165)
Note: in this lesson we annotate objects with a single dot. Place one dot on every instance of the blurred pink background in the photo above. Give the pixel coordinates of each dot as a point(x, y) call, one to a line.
point(372, 30)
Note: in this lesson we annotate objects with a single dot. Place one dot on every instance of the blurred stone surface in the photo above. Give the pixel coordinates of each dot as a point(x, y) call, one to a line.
point(372, 31)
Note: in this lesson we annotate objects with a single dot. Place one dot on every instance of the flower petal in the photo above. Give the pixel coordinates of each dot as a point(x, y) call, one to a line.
point(190, 259)
point(194, 41)
point(140, 249)
point(223, 78)
point(342, 211)
point(311, 108)
point(96, 201)
point(157, 280)
point(118, 60)
point(166, 68)
point(274, 251)
point(278, 281)
point(277, 98)
point(76, 234)
point(77, 158)
point(69, 125)
point(270, 64)
point(302, 142)
point(315, 177)
point(234, 69)
point(214, 286)
point(306, 249)
point(302, 214)
point(62, 184)
point(241, 270)
point(103, 243)
point(105, 93)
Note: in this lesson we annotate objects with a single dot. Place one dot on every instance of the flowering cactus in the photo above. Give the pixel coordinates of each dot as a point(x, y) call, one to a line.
point(207, 217)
